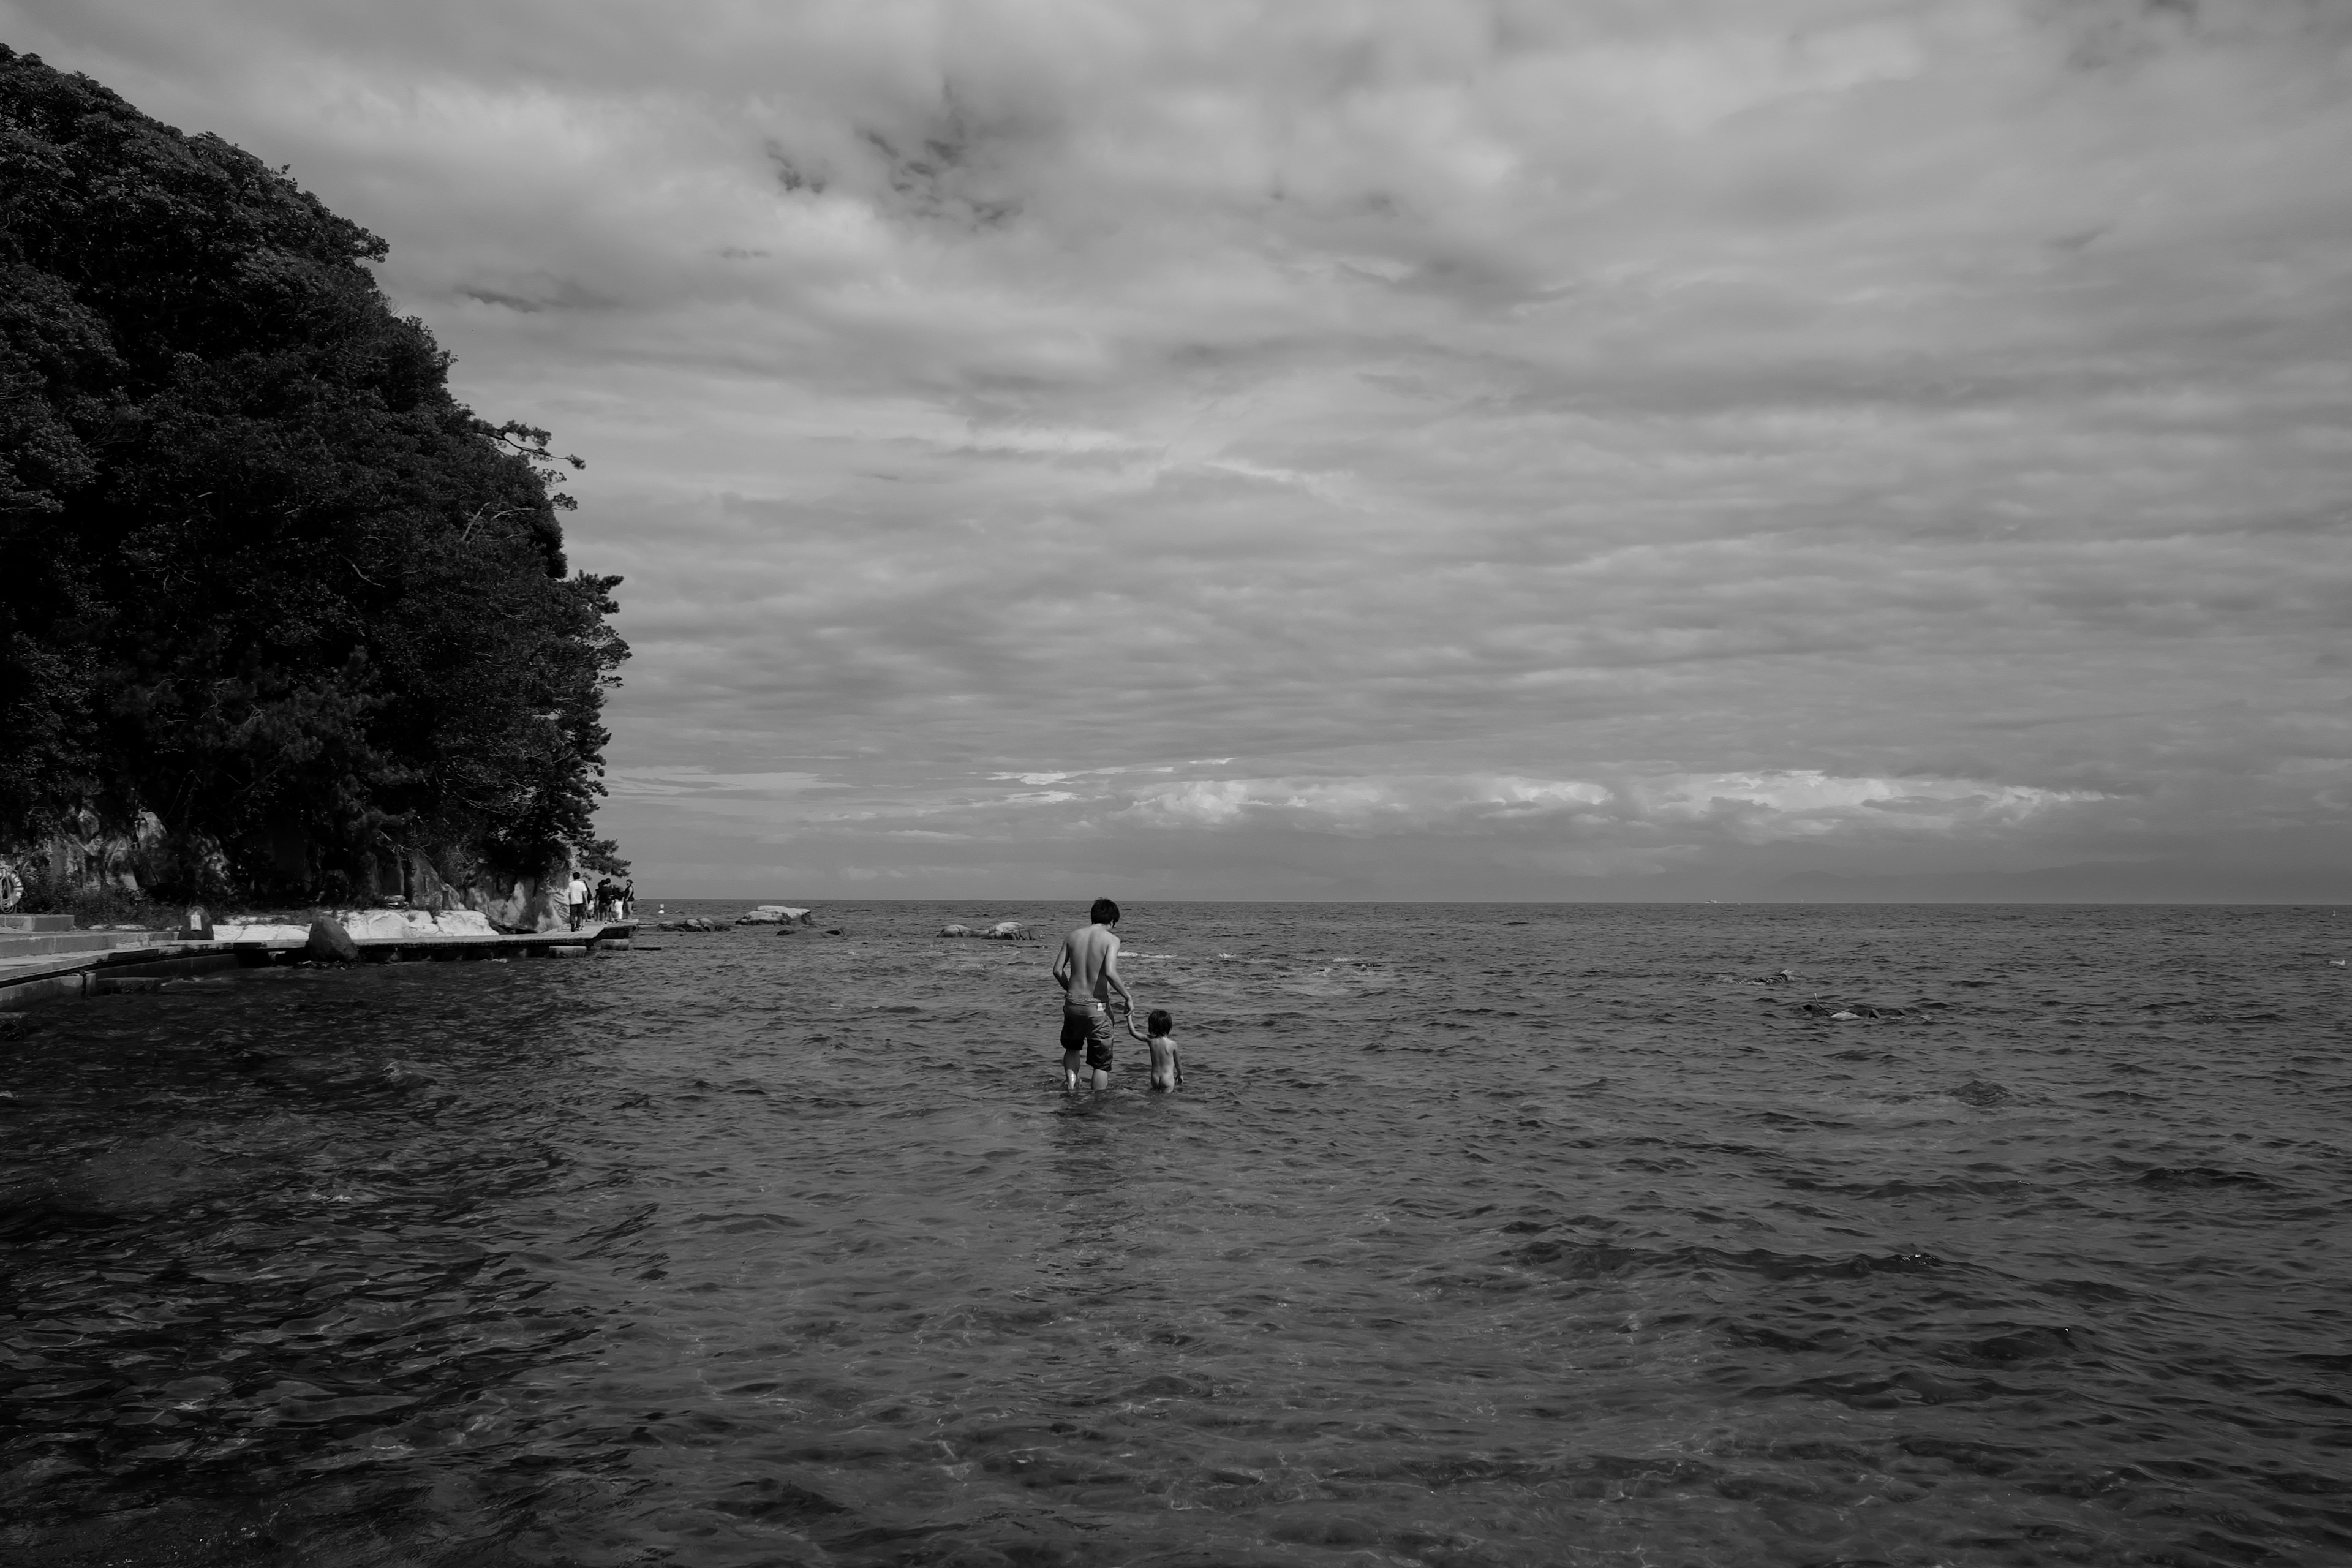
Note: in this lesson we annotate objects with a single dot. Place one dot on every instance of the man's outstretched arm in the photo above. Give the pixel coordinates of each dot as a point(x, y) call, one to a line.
point(1111, 973)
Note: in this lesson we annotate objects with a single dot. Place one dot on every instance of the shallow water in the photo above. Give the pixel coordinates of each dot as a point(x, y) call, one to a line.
point(1484, 1234)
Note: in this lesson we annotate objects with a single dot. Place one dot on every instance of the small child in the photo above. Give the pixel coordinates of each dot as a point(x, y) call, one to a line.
point(1166, 1072)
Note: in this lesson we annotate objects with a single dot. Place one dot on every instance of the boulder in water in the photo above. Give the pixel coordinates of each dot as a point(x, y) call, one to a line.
point(330, 944)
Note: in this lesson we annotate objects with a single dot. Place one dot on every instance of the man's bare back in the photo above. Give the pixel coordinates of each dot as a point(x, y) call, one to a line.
point(1089, 966)
point(1087, 969)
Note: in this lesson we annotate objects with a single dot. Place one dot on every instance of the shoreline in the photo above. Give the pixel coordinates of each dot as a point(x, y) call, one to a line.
point(108, 962)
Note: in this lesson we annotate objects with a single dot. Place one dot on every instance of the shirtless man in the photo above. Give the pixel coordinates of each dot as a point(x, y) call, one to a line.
point(1087, 972)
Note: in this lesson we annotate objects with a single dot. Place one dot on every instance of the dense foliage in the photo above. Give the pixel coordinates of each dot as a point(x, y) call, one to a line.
point(260, 575)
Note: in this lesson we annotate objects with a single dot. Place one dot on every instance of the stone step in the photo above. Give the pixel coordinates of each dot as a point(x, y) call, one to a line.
point(44, 925)
point(21, 946)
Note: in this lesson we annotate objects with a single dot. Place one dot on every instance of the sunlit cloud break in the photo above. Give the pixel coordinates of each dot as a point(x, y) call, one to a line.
point(1756, 807)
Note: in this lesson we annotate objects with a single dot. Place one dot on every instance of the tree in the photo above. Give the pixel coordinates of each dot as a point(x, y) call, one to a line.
point(602, 855)
point(260, 574)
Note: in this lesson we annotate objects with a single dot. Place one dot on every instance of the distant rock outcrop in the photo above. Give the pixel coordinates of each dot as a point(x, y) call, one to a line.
point(777, 915)
point(1004, 931)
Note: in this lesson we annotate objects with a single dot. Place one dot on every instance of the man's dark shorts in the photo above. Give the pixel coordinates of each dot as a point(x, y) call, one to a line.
point(1089, 1031)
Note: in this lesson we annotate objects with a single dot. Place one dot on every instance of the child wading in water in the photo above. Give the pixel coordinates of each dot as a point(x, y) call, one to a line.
point(1166, 1072)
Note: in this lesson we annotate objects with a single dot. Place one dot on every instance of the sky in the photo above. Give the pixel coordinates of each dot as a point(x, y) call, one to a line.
point(1585, 449)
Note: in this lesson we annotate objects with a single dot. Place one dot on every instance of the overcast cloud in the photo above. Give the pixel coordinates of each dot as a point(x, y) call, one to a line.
point(1565, 449)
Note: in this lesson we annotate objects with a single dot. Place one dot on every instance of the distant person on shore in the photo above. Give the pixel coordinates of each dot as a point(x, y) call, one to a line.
point(629, 900)
point(1087, 970)
point(577, 896)
point(1166, 1072)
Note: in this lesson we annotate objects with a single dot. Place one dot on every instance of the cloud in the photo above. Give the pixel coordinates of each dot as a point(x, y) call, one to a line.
point(1363, 804)
point(1726, 407)
point(658, 782)
point(1627, 825)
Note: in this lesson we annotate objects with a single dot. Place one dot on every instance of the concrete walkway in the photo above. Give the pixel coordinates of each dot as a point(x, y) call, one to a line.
point(34, 967)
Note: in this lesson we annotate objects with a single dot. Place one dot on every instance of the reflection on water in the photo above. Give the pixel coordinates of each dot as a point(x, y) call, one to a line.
point(1465, 1242)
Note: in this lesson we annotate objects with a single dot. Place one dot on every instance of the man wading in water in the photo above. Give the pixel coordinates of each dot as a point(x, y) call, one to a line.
point(1087, 972)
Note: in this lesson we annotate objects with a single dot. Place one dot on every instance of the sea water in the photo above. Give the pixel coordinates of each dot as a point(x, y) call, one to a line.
point(1477, 1235)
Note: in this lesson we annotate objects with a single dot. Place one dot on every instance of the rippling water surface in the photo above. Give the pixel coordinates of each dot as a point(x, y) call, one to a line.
point(1478, 1235)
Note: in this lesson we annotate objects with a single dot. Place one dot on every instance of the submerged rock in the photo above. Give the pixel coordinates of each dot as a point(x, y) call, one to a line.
point(1840, 1012)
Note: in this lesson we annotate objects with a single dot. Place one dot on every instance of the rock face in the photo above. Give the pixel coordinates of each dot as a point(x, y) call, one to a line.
point(410, 924)
point(82, 855)
point(348, 926)
point(509, 902)
point(330, 944)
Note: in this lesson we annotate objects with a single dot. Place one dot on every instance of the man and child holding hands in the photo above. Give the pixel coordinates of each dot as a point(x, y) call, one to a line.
point(1087, 972)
